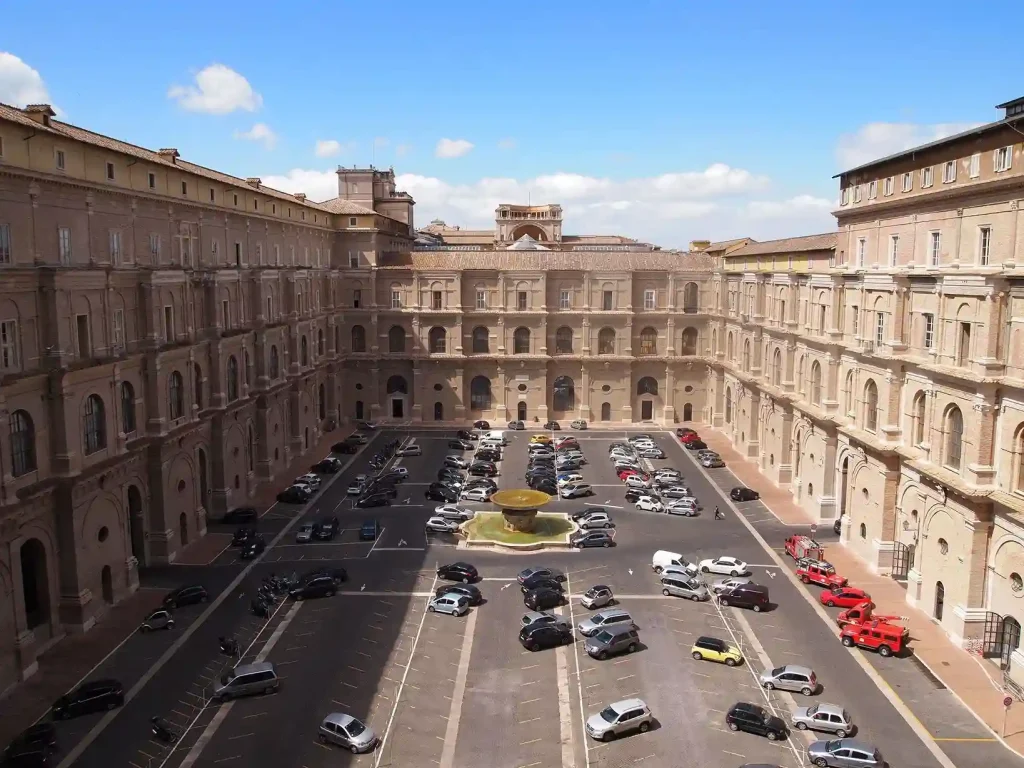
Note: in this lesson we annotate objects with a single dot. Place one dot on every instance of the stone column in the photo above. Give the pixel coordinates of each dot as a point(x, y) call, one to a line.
point(670, 329)
point(585, 412)
point(61, 419)
point(979, 455)
point(375, 394)
point(891, 429)
point(500, 408)
point(417, 393)
point(972, 612)
point(786, 441)
point(74, 598)
point(459, 386)
point(669, 413)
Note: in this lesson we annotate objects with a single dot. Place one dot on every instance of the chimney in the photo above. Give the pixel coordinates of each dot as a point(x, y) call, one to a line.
point(254, 182)
point(169, 154)
point(300, 196)
point(40, 113)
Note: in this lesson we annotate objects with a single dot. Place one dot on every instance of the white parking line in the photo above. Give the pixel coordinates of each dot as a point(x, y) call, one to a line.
point(451, 734)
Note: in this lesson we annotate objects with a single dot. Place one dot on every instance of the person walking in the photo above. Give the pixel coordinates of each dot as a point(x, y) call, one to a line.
point(718, 514)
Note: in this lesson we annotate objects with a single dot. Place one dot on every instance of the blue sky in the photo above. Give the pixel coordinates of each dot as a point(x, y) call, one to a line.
point(663, 121)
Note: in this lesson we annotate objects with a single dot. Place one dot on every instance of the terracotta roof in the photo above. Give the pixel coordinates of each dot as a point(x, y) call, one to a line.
point(339, 205)
point(75, 133)
point(725, 245)
point(825, 242)
point(597, 261)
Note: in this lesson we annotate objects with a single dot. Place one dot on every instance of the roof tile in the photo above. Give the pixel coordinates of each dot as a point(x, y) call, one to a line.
point(823, 242)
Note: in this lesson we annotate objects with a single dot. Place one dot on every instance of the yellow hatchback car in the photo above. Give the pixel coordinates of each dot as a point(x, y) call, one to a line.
point(713, 649)
point(545, 439)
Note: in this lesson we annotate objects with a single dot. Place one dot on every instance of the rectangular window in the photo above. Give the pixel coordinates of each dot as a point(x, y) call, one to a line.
point(862, 247)
point(522, 300)
point(949, 172)
point(82, 327)
point(564, 299)
point(984, 245)
point(154, 245)
point(436, 299)
point(856, 194)
point(5, 244)
point(649, 299)
point(236, 199)
point(277, 255)
point(872, 190)
point(60, 160)
point(270, 309)
point(929, 330)
point(184, 187)
point(352, 221)
point(934, 248)
point(926, 177)
point(225, 314)
point(889, 186)
point(894, 249)
point(169, 324)
point(975, 165)
point(1002, 159)
point(9, 345)
point(110, 171)
point(844, 196)
point(879, 327)
point(357, 297)
point(963, 352)
point(608, 301)
point(259, 254)
point(908, 182)
point(115, 246)
point(212, 195)
point(152, 181)
point(855, 314)
point(118, 330)
point(64, 245)
point(238, 254)
point(353, 259)
point(396, 299)
point(481, 299)
point(255, 205)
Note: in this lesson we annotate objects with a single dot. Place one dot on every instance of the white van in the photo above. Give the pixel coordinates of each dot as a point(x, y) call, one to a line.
point(495, 435)
point(663, 559)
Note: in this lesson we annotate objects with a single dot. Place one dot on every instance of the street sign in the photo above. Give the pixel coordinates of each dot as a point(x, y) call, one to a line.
point(1008, 701)
point(814, 529)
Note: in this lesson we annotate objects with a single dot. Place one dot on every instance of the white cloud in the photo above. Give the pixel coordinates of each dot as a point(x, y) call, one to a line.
point(218, 90)
point(332, 147)
point(718, 202)
point(20, 84)
point(448, 148)
point(380, 142)
point(261, 133)
point(877, 140)
point(403, 149)
point(507, 144)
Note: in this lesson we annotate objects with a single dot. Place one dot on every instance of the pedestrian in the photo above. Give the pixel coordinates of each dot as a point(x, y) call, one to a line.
point(718, 514)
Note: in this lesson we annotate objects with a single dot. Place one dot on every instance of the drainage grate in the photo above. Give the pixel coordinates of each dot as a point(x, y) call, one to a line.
point(938, 684)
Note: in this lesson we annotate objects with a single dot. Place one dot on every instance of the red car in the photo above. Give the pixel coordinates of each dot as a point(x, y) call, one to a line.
point(691, 437)
point(624, 473)
point(844, 597)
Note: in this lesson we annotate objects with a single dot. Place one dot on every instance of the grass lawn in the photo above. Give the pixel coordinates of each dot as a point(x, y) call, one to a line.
point(490, 525)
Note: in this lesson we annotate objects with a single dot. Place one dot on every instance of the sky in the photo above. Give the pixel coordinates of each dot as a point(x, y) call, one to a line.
point(663, 121)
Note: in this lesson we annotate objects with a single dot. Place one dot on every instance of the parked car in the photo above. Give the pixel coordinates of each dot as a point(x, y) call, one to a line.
point(878, 635)
point(348, 732)
point(487, 454)
point(712, 462)
point(648, 504)
point(619, 638)
point(322, 585)
point(410, 450)
point(596, 520)
point(31, 748)
point(713, 649)
point(740, 493)
point(158, 619)
point(452, 604)
point(790, 677)
point(683, 507)
point(476, 494)
point(581, 514)
point(294, 494)
point(576, 490)
point(552, 425)
point(328, 466)
point(454, 512)
point(483, 469)
point(481, 424)
point(369, 530)
point(753, 596)
point(598, 596)
point(242, 536)
point(844, 597)
point(378, 499)
point(542, 599)
point(541, 581)
point(683, 586)
point(516, 425)
point(652, 453)
point(726, 584)
point(845, 753)
point(253, 549)
point(460, 571)
point(94, 696)
point(604, 619)
point(247, 680)
point(358, 438)
point(546, 486)
point(824, 717)
point(728, 566)
point(619, 718)
point(461, 445)
point(537, 618)
point(538, 636)
point(304, 534)
point(337, 575)
point(183, 596)
point(440, 492)
point(468, 591)
point(455, 461)
point(438, 524)
point(326, 528)
point(695, 445)
point(578, 424)
point(753, 718)
point(345, 446)
point(241, 515)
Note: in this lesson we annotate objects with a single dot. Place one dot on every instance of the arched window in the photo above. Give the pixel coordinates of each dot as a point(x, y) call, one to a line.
point(438, 340)
point(94, 425)
point(127, 408)
point(799, 382)
point(198, 385)
point(304, 351)
point(521, 341)
point(606, 341)
point(397, 385)
point(729, 347)
point(746, 355)
point(920, 405)
point(481, 341)
point(175, 395)
point(777, 368)
point(23, 444)
point(396, 339)
point(480, 393)
point(728, 405)
point(870, 406)
point(232, 379)
point(954, 437)
point(358, 338)
point(564, 394)
point(606, 411)
point(275, 363)
point(714, 341)
point(691, 298)
point(648, 341)
point(320, 341)
point(689, 341)
point(815, 383)
point(848, 393)
point(563, 341)
point(1019, 444)
point(648, 385)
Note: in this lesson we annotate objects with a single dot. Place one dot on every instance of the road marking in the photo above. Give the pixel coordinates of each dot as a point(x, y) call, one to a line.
point(258, 714)
point(529, 701)
point(532, 666)
point(243, 736)
point(451, 733)
point(735, 754)
point(531, 720)
point(620, 679)
point(565, 716)
point(531, 741)
point(963, 739)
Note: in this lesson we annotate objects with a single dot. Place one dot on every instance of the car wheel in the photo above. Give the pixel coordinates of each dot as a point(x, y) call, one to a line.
point(355, 749)
point(848, 642)
point(606, 544)
point(772, 736)
point(300, 596)
point(143, 629)
point(430, 608)
point(723, 602)
point(665, 592)
point(806, 691)
point(803, 727)
point(730, 662)
point(602, 655)
point(645, 727)
point(608, 736)
point(769, 686)
point(705, 569)
point(757, 608)
point(734, 574)
point(733, 727)
point(465, 579)
point(831, 603)
point(697, 656)
point(884, 650)
point(204, 598)
point(323, 739)
point(821, 762)
point(841, 733)
point(631, 648)
point(112, 705)
point(330, 593)
point(169, 625)
point(695, 598)
point(805, 580)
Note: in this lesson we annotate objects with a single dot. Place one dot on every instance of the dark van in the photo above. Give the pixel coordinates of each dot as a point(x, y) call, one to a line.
point(753, 596)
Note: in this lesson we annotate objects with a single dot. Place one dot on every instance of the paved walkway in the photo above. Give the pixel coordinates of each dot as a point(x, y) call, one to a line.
point(973, 680)
point(73, 658)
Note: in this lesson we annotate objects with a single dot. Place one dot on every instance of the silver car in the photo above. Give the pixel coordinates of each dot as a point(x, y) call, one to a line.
point(791, 677)
point(682, 586)
point(618, 718)
point(345, 731)
point(304, 534)
point(541, 618)
point(596, 520)
point(159, 619)
point(597, 597)
point(599, 621)
point(824, 717)
point(845, 753)
point(449, 603)
point(724, 585)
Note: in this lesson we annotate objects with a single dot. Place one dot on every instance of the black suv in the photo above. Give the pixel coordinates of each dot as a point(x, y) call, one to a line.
point(344, 447)
point(318, 586)
point(743, 494)
point(465, 434)
point(338, 574)
point(537, 636)
point(186, 596)
point(754, 596)
point(554, 426)
point(542, 599)
point(487, 454)
point(468, 591)
point(243, 536)
point(440, 492)
point(253, 548)
point(97, 696)
point(459, 571)
point(541, 580)
point(754, 718)
point(377, 499)
point(483, 469)
point(326, 528)
point(481, 425)
point(241, 515)
point(547, 486)
point(326, 466)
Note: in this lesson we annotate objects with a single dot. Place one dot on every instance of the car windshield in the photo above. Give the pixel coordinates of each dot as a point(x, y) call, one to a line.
point(811, 711)
point(778, 671)
point(831, 746)
point(609, 715)
point(355, 728)
point(604, 637)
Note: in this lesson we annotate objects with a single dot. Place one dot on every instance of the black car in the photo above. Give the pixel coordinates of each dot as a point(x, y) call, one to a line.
point(293, 495)
point(540, 570)
point(241, 515)
point(550, 487)
point(743, 494)
point(326, 466)
point(385, 489)
point(483, 469)
point(516, 425)
point(439, 492)
point(339, 575)
point(461, 445)
point(369, 530)
point(696, 445)
point(541, 581)
point(482, 482)
point(31, 747)
point(541, 461)
point(344, 447)
point(542, 599)
point(632, 494)
point(190, 595)
point(480, 424)
point(465, 434)
point(552, 425)
point(541, 469)
point(95, 696)
point(753, 718)
point(254, 548)
point(583, 539)
point(452, 472)
point(459, 571)
point(581, 513)
point(468, 591)
point(326, 528)
point(243, 536)
point(536, 637)
point(319, 586)
point(391, 478)
point(487, 454)
point(379, 499)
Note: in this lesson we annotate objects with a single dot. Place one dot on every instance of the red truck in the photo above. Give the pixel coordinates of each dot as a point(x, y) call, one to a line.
point(861, 614)
point(799, 547)
point(877, 635)
point(819, 572)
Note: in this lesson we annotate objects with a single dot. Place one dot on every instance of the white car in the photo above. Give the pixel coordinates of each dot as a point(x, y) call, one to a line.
point(635, 481)
point(652, 453)
point(400, 471)
point(727, 566)
point(313, 481)
point(455, 461)
point(410, 450)
point(475, 494)
point(453, 512)
point(355, 489)
point(596, 520)
point(647, 504)
point(439, 524)
point(570, 477)
point(721, 585)
point(575, 490)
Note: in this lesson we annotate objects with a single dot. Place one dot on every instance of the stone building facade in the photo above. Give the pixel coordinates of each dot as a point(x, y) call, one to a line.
point(878, 372)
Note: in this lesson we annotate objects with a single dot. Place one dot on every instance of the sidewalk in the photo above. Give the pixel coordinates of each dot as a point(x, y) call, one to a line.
point(70, 660)
point(973, 680)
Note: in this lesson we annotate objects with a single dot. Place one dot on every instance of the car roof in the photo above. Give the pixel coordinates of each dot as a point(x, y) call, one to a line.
point(797, 669)
point(832, 709)
point(709, 639)
point(746, 706)
point(339, 718)
point(93, 685)
point(858, 744)
point(463, 564)
point(256, 666)
point(627, 704)
point(612, 612)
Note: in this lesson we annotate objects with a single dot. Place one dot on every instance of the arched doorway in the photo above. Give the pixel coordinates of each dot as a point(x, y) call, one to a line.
point(183, 528)
point(1009, 640)
point(646, 389)
point(397, 390)
point(687, 412)
point(438, 412)
point(606, 411)
point(564, 395)
point(35, 584)
point(136, 525)
point(202, 478)
point(107, 582)
point(940, 600)
point(521, 410)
